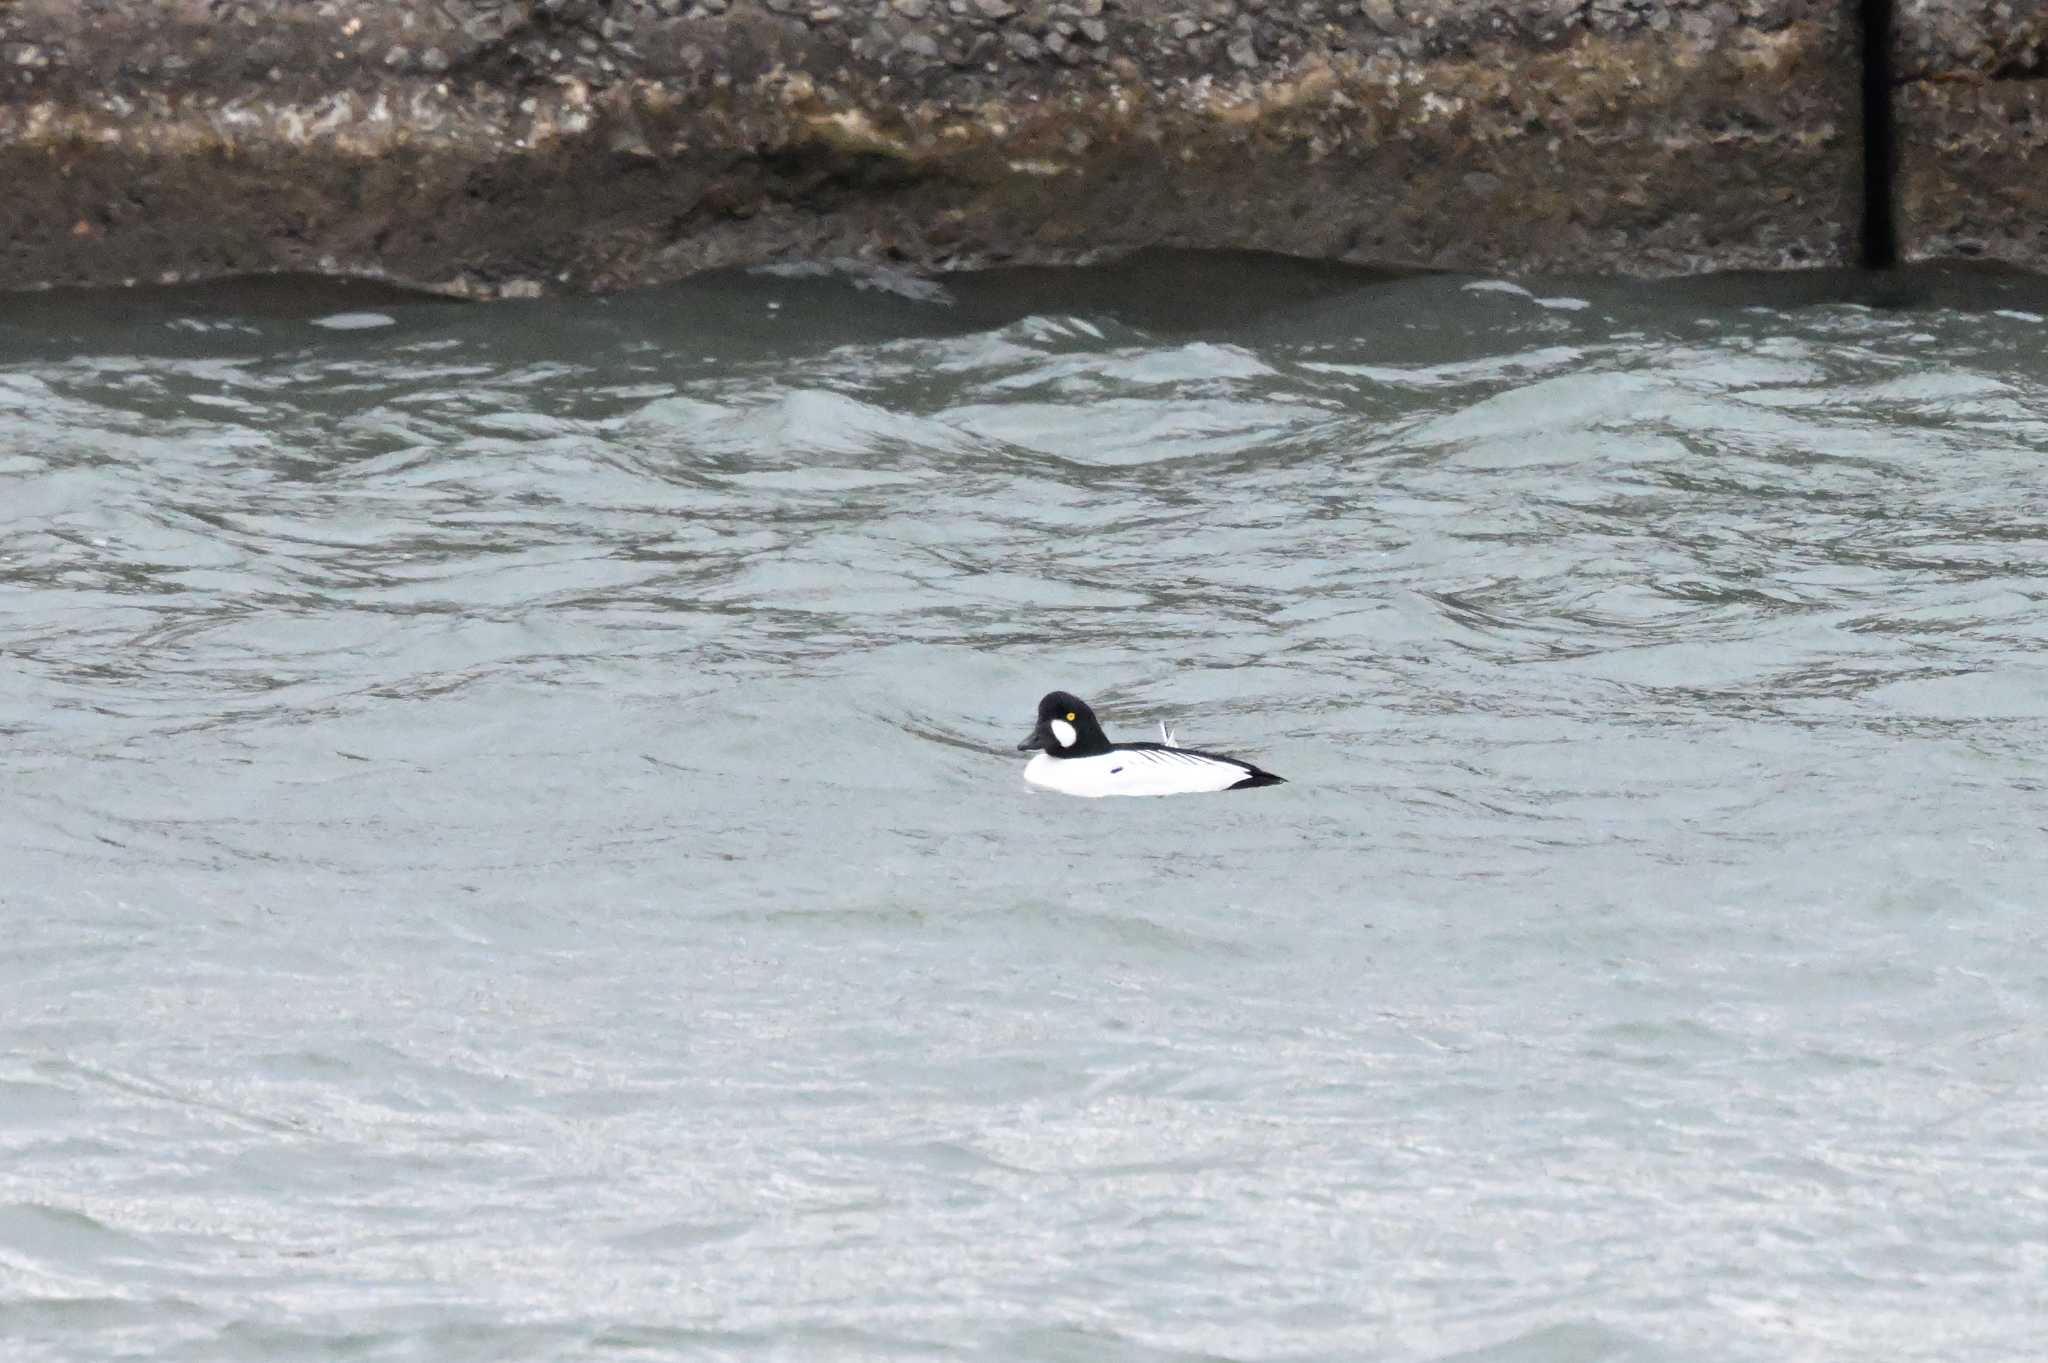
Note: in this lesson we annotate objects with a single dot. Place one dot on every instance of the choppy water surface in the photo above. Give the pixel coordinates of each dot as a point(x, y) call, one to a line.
point(513, 847)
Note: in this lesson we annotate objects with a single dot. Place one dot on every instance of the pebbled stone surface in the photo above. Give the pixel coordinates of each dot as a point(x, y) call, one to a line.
point(1971, 107)
point(507, 147)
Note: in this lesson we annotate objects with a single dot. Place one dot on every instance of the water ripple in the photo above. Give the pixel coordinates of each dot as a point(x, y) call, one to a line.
point(512, 845)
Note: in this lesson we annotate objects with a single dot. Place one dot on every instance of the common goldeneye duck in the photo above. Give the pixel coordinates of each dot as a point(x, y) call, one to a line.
point(1079, 759)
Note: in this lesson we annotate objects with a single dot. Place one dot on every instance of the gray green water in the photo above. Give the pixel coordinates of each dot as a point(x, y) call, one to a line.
point(511, 843)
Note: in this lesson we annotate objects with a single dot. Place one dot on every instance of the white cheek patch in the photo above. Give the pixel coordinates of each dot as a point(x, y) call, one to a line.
point(1064, 732)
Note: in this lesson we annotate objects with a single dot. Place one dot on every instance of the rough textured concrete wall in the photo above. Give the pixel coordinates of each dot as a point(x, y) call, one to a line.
point(1972, 121)
point(508, 146)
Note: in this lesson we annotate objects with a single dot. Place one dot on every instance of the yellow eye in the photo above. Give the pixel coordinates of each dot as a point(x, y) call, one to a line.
point(1070, 716)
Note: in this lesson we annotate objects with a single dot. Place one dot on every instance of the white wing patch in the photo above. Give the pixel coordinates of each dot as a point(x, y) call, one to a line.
point(1169, 756)
point(1134, 771)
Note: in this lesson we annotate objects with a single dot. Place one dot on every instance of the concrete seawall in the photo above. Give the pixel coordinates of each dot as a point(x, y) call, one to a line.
point(1972, 129)
point(508, 147)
